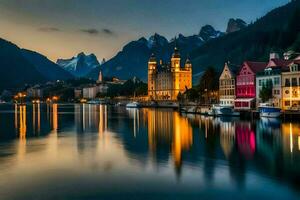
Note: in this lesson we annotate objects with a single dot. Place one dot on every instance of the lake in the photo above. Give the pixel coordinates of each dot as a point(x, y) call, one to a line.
point(75, 151)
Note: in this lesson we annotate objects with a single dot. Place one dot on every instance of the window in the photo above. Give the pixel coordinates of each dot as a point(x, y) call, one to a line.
point(259, 83)
point(287, 82)
point(287, 103)
point(294, 81)
point(276, 81)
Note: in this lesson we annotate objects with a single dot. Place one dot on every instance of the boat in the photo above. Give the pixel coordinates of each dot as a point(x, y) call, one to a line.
point(133, 104)
point(226, 111)
point(219, 111)
point(96, 101)
point(267, 110)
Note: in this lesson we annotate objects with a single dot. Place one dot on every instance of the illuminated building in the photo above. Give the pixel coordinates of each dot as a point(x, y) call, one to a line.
point(245, 85)
point(272, 73)
point(291, 86)
point(89, 92)
point(165, 81)
point(35, 92)
point(227, 86)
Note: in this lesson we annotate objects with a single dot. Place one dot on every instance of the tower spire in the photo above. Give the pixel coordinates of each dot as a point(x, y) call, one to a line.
point(175, 43)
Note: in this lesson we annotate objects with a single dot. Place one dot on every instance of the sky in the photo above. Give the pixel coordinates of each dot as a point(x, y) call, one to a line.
point(64, 28)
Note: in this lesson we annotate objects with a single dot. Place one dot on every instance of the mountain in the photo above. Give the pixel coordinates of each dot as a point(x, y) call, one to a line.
point(278, 30)
point(208, 32)
point(80, 65)
point(133, 59)
point(47, 68)
point(15, 69)
point(235, 25)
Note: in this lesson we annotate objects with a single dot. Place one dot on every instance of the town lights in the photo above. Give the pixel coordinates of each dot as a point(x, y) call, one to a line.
point(55, 98)
point(83, 100)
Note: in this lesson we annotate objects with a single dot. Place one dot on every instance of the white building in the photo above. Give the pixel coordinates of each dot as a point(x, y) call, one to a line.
point(227, 86)
point(35, 92)
point(272, 73)
point(89, 92)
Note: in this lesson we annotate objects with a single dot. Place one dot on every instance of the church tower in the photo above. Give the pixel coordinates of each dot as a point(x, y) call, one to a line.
point(175, 70)
point(100, 77)
point(152, 67)
point(175, 60)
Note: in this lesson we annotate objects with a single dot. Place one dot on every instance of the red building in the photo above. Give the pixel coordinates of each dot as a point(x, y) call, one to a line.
point(245, 85)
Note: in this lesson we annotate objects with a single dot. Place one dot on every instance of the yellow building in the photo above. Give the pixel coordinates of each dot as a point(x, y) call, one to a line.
point(291, 87)
point(165, 82)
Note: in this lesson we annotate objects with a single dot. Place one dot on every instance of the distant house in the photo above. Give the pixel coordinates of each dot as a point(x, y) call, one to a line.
point(291, 86)
point(272, 73)
point(245, 85)
point(77, 93)
point(227, 85)
point(89, 92)
point(35, 92)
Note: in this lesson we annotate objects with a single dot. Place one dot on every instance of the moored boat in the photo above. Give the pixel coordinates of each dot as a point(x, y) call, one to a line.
point(226, 111)
point(96, 101)
point(133, 104)
point(266, 110)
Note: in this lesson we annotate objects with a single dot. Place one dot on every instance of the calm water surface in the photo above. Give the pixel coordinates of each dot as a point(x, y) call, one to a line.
point(101, 152)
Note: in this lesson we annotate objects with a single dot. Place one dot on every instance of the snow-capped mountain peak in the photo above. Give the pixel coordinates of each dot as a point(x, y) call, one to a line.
point(80, 65)
point(156, 40)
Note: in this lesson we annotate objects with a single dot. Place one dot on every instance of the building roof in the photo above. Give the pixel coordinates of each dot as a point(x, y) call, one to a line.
point(295, 62)
point(188, 61)
point(256, 66)
point(279, 63)
point(234, 69)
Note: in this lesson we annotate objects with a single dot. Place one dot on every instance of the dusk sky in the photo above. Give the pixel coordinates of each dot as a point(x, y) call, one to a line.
point(63, 28)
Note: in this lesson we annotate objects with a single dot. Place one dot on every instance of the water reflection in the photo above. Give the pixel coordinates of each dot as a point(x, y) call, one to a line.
point(169, 129)
point(148, 146)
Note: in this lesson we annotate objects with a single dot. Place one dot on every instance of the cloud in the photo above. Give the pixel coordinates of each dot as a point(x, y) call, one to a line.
point(90, 31)
point(93, 32)
point(49, 29)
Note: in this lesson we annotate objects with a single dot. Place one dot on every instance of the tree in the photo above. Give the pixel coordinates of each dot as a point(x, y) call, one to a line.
point(265, 93)
point(179, 97)
point(209, 83)
point(192, 94)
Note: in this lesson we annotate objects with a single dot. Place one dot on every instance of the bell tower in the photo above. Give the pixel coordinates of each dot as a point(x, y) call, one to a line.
point(152, 66)
point(175, 60)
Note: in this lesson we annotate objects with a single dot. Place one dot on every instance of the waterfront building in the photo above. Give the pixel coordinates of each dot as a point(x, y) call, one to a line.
point(35, 92)
point(245, 85)
point(166, 81)
point(227, 85)
point(77, 93)
point(272, 73)
point(291, 86)
point(89, 92)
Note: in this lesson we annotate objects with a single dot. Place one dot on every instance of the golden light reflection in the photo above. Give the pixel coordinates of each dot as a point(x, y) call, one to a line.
point(183, 137)
point(16, 116)
point(23, 127)
point(54, 117)
point(227, 140)
point(39, 118)
point(36, 117)
point(291, 134)
point(170, 128)
point(102, 119)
